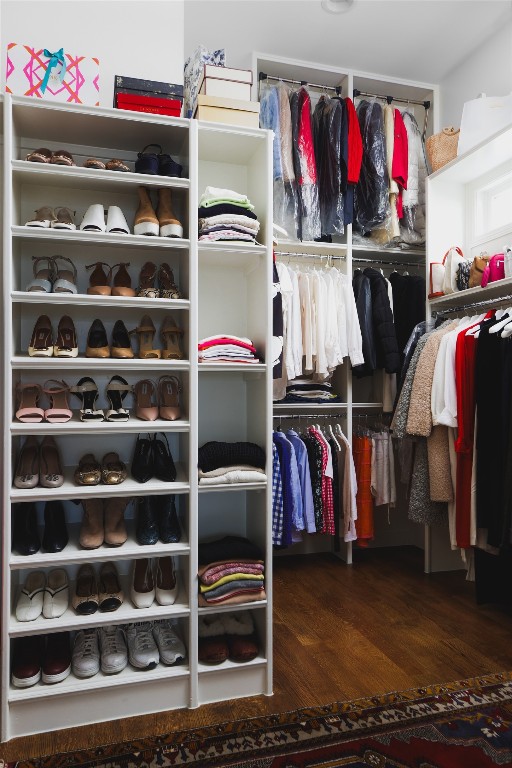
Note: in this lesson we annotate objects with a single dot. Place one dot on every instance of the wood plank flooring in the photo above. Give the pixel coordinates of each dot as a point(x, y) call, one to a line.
point(341, 632)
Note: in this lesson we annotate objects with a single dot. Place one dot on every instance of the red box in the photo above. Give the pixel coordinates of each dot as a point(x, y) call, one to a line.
point(157, 106)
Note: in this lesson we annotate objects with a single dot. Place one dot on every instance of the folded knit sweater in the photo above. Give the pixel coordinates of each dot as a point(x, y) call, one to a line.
point(216, 454)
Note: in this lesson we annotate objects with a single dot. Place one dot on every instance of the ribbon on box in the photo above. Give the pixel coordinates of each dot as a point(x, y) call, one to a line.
point(54, 60)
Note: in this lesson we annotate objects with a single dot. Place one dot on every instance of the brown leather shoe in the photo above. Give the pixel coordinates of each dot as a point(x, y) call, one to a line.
point(146, 222)
point(143, 583)
point(169, 224)
point(115, 528)
point(92, 528)
point(57, 658)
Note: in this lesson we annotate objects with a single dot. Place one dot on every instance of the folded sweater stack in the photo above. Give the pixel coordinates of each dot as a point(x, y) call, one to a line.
point(231, 572)
point(226, 348)
point(231, 463)
point(307, 391)
point(226, 215)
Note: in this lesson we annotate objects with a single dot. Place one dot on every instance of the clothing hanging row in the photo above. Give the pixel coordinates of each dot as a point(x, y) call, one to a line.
point(370, 260)
point(390, 99)
point(472, 305)
point(263, 76)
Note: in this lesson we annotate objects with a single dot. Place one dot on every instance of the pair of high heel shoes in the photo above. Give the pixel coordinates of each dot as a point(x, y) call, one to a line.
point(29, 410)
point(87, 392)
point(167, 406)
point(152, 458)
point(103, 283)
point(165, 287)
point(170, 335)
point(42, 343)
point(39, 464)
point(97, 341)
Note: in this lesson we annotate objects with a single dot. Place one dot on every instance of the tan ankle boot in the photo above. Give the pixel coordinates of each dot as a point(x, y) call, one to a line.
point(146, 222)
point(115, 528)
point(91, 531)
point(169, 224)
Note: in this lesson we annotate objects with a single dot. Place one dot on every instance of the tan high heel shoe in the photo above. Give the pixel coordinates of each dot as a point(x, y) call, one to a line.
point(168, 398)
point(122, 282)
point(146, 334)
point(146, 408)
point(99, 281)
point(170, 334)
point(146, 222)
point(169, 224)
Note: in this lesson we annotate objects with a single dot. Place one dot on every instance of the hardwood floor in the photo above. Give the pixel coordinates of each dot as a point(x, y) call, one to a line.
point(340, 633)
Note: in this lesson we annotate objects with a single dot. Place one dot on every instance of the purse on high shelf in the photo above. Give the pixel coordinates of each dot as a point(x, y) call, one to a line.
point(476, 270)
point(443, 275)
point(442, 147)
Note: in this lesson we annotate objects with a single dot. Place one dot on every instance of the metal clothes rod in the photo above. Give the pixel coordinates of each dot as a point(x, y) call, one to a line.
point(472, 305)
point(335, 88)
point(385, 262)
point(390, 99)
point(304, 416)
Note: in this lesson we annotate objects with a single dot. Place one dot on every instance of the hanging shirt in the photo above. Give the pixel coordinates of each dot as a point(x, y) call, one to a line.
point(277, 500)
point(301, 455)
point(292, 497)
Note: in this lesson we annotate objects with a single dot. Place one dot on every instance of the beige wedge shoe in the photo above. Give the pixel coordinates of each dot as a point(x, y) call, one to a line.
point(146, 222)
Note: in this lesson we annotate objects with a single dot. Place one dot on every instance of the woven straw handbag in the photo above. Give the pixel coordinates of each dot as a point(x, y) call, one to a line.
point(442, 147)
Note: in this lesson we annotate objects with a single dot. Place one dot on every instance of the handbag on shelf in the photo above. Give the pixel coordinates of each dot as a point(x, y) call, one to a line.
point(462, 279)
point(442, 147)
point(443, 275)
point(476, 270)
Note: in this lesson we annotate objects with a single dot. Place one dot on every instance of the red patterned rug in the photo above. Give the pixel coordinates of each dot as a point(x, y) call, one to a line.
point(467, 724)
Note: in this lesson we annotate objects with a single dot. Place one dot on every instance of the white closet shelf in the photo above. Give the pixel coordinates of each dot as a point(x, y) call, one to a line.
point(373, 251)
point(230, 608)
point(125, 614)
point(231, 487)
point(232, 367)
point(150, 367)
point(229, 144)
point(479, 160)
point(312, 247)
point(105, 428)
point(460, 298)
point(231, 255)
point(228, 664)
point(298, 407)
point(100, 238)
point(72, 684)
point(84, 300)
point(69, 489)
point(74, 553)
point(90, 178)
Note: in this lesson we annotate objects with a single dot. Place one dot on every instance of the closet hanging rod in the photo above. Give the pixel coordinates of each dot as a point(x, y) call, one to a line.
point(304, 416)
point(385, 262)
point(472, 305)
point(335, 88)
point(390, 99)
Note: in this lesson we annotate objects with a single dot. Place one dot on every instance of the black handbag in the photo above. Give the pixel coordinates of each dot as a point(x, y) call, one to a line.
point(462, 278)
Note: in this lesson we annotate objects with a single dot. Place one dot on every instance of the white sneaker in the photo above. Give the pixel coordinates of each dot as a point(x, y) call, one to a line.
point(114, 657)
point(86, 654)
point(116, 221)
point(142, 650)
point(171, 648)
point(94, 219)
point(56, 594)
point(30, 601)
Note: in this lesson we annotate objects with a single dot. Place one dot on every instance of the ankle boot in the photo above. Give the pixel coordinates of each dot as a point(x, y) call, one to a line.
point(25, 538)
point(115, 528)
point(169, 224)
point(146, 222)
point(55, 536)
point(92, 528)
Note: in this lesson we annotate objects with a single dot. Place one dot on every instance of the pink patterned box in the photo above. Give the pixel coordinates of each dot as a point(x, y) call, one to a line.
point(53, 75)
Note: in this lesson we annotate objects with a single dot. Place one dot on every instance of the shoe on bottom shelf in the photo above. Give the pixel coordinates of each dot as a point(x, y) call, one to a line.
point(56, 664)
point(212, 645)
point(170, 646)
point(114, 655)
point(241, 636)
point(142, 649)
point(86, 654)
point(26, 665)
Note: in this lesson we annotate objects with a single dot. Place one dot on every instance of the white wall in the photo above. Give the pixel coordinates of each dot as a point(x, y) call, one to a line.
point(487, 70)
point(136, 38)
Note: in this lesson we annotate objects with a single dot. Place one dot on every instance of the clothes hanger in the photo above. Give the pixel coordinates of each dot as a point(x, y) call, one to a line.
point(504, 320)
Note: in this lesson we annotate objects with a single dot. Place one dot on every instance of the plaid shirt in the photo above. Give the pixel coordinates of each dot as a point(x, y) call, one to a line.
point(277, 500)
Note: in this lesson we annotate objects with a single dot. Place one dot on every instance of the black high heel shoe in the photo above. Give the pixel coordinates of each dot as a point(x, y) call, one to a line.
point(168, 522)
point(97, 342)
point(142, 462)
point(25, 538)
point(117, 389)
point(87, 392)
point(164, 468)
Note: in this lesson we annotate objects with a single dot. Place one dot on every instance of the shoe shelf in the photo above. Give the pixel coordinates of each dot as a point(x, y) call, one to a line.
point(232, 255)
point(56, 364)
point(231, 487)
point(76, 427)
point(90, 178)
point(232, 368)
point(203, 668)
point(83, 300)
point(98, 238)
point(75, 685)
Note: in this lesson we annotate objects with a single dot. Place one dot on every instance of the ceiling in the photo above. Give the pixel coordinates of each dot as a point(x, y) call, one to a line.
point(420, 40)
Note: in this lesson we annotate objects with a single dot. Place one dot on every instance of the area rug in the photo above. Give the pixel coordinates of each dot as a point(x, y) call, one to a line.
point(467, 724)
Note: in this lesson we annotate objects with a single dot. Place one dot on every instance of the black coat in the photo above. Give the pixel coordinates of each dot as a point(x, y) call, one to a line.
point(386, 345)
point(363, 296)
point(408, 304)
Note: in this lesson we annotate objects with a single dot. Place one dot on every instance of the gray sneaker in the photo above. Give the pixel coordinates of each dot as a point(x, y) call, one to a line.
point(114, 656)
point(170, 646)
point(142, 650)
point(86, 654)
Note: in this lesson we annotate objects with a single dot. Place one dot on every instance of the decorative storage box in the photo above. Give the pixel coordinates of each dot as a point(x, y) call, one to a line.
point(194, 67)
point(230, 111)
point(154, 88)
point(56, 76)
point(158, 106)
point(227, 82)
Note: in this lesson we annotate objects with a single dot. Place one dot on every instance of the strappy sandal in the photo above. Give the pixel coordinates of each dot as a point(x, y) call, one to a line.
point(63, 219)
point(146, 333)
point(147, 162)
point(87, 392)
point(28, 408)
point(117, 389)
point(65, 279)
point(99, 281)
point(146, 407)
point(66, 344)
point(88, 471)
point(168, 398)
point(171, 335)
point(43, 278)
point(62, 157)
point(116, 165)
point(41, 343)
point(147, 281)
point(41, 155)
point(43, 218)
point(113, 470)
point(166, 284)
point(59, 411)
point(164, 467)
point(122, 282)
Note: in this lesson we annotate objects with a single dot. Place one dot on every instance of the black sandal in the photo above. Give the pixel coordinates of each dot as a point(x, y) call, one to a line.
point(164, 468)
point(117, 389)
point(87, 392)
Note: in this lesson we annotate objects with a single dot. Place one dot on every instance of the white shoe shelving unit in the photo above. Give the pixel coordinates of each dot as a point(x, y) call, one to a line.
point(225, 288)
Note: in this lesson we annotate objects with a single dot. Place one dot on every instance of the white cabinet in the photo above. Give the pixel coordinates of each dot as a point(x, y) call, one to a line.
point(223, 287)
